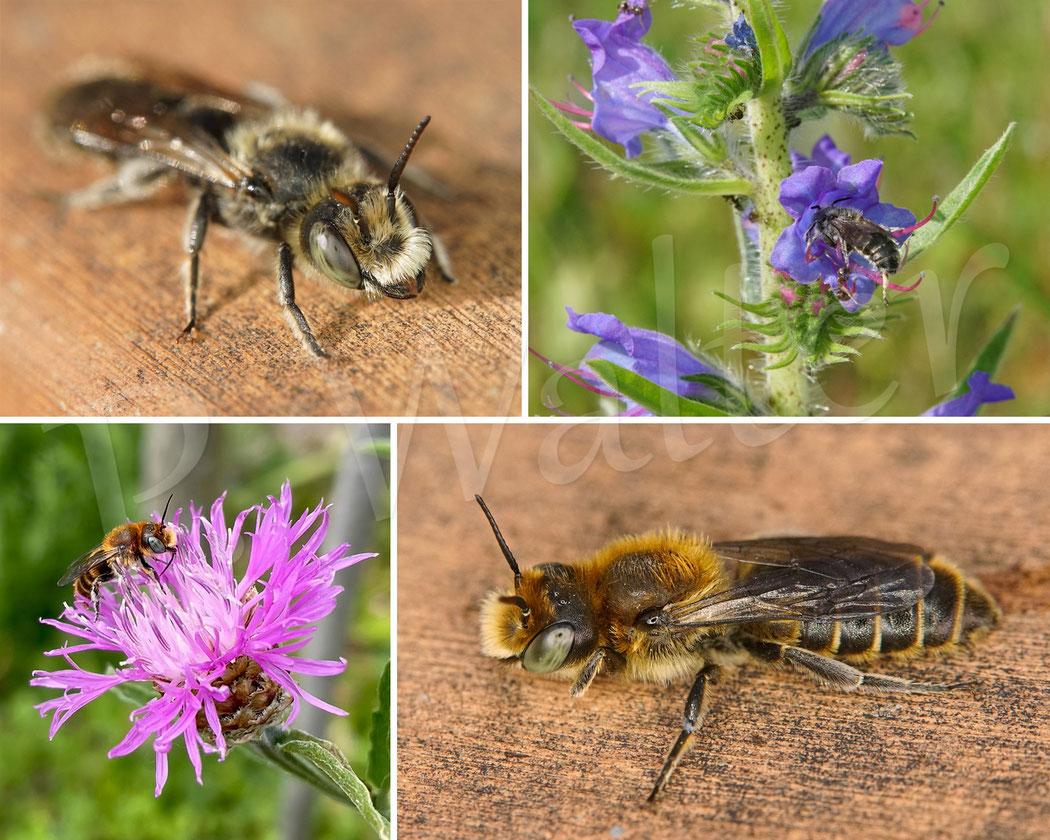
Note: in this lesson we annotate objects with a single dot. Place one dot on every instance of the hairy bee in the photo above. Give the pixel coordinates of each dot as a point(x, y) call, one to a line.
point(664, 606)
point(129, 546)
point(276, 173)
point(848, 231)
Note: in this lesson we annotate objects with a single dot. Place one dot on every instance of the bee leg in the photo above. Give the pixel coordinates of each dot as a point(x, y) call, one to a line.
point(441, 258)
point(591, 669)
point(193, 241)
point(695, 709)
point(286, 296)
point(135, 179)
point(845, 677)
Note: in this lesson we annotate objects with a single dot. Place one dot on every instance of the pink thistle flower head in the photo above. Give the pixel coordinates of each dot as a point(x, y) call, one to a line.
point(218, 650)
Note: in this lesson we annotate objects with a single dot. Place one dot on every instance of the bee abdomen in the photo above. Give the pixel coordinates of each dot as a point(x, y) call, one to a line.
point(954, 612)
point(85, 584)
point(884, 254)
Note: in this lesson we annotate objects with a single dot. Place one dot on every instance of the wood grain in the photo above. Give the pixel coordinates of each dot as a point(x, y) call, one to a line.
point(486, 750)
point(93, 301)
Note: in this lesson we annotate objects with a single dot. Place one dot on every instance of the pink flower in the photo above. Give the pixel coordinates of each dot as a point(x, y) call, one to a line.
point(216, 649)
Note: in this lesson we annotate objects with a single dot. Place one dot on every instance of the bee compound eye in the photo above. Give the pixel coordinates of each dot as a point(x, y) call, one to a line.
point(333, 256)
point(549, 648)
point(155, 545)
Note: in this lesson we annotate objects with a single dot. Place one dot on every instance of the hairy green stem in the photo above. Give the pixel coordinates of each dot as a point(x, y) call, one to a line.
point(787, 384)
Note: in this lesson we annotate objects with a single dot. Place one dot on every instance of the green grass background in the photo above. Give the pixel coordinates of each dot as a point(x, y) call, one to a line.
point(977, 68)
point(49, 515)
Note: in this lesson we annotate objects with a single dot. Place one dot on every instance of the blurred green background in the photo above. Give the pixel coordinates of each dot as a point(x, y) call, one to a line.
point(971, 73)
point(64, 487)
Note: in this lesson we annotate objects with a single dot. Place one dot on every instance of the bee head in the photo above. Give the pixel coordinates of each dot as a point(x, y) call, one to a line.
point(366, 236)
point(546, 623)
point(159, 537)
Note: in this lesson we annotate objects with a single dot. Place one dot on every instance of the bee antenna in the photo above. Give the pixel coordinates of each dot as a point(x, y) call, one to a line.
point(164, 515)
point(399, 167)
point(502, 542)
point(168, 564)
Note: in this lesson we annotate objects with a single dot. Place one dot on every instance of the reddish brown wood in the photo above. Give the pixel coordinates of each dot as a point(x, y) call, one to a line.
point(93, 301)
point(485, 750)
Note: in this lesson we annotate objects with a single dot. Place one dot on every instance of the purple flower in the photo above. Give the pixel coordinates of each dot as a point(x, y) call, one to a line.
point(620, 60)
point(982, 390)
point(890, 22)
point(742, 38)
point(218, 650)
point(825, 153)
point(802, 254)
point(653, 355)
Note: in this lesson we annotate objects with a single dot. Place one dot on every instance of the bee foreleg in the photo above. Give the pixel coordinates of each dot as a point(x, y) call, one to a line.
point(695, 709)
point(286, 296)
point(193, 241)
point(591, 669)
point(845, 677)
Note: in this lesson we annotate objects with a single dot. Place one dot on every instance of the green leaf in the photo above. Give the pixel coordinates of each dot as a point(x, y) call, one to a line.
point(379, 738)
point(772, 43)
point(648, 394)
point(990, 355)
point(606, 157)
point(734, 400)
point(955, 204)
point(323, 765)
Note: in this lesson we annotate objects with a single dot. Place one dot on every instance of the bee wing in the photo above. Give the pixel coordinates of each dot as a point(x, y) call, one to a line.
point(96, 557)
point(178, 122)
point(812, 579)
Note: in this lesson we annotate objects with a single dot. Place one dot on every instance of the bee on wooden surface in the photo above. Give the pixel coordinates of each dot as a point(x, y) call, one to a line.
point(278, 174)
point(671, 606)
point(848, 231)
point(129, 546)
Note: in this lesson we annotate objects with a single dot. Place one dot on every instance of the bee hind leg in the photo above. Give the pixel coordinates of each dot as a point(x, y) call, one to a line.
point(695, 710)
point(135, 180)
point(845, 677)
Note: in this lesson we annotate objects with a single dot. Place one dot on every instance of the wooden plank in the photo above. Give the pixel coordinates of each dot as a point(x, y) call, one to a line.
point(488, 750)
point(93, 301)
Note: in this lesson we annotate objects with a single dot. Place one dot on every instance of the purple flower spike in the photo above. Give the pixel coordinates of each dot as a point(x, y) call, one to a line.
point(982, 390)
point(619, 60)
point(653, 355)
point(805, 257)
point(217, 649)
point(890, 22)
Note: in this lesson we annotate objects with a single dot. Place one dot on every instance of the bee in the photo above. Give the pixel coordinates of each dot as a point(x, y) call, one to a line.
point(279, 174)
point(671, 606)
point(129, 546)
point(848, 231)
